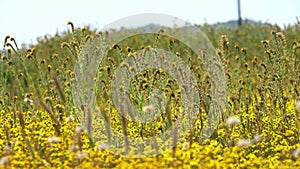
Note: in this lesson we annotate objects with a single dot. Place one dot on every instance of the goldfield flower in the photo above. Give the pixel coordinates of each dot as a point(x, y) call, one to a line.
point(243, 142)
point(232, 121)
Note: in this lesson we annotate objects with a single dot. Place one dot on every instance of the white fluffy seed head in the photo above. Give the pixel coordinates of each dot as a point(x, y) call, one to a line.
point(296, 153)
point(148, 108)
point(258, 138)
point(103, 146)
point(53, 139)
point(73, 147)
point(79, 129)
point(232, 121)
point(243, 142)
point(4, 161)
point(297, 105)
point(70, 119)
point(81, 155)
point(7, 148)
point(185, 145)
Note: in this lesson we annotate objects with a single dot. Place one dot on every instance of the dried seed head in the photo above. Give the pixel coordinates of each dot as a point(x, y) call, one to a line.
point(81, 155)
point(115, 46)
point(296, 153)
point(7, 148)
point(265, 42)
point(273, 32)
point(20, 75)
point(243, 142)
point(297, 105)
point(49, 68)
point(6, 93)
point(53, 140)
point(280, 35)
point(4, 161)
point(47, 99)
point(232, 121)
point(124, 64)
point(185, 145)
point(148, 108)
point(223, 37)
point(84, 29)
point(73, 147)
point(237, 57)
point(57, 106)
point(295, 43)
point(6, 38)
point(72, 25)
point(244, 50)
point(28, 95)
point(79, 129)
point(128, 49)
point(70, 119)
point(103, 146)
point(3, 57)
point(258, 138)
point(9, 63)
point(237, 47)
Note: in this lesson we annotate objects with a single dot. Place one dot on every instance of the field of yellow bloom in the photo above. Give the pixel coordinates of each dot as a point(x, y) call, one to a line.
point(42, 127)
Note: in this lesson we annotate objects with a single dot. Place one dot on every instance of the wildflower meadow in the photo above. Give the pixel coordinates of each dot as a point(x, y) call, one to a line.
point(53, 116)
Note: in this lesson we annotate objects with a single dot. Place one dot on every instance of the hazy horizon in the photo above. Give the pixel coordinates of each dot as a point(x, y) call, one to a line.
point(28, 20)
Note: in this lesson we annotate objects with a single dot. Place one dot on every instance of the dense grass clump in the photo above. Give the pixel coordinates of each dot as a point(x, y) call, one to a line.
point(259, 126)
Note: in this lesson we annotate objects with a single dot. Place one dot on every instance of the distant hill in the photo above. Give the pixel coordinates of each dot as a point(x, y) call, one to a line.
point(229, 24)
point(233, 23)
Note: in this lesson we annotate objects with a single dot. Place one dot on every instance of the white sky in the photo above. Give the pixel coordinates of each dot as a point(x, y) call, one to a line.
point(25, 20)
